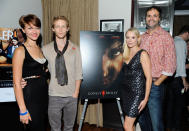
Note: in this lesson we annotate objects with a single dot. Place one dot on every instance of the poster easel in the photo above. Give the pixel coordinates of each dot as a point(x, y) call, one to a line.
point(85, 108)
point(98, 50)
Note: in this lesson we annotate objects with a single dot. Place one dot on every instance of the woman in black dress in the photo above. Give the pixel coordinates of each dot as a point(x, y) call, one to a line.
point(136, 78)
point(30, 64)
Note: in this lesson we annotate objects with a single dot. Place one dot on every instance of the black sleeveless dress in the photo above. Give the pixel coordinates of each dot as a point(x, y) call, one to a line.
point(35, 92)
point(133, 85)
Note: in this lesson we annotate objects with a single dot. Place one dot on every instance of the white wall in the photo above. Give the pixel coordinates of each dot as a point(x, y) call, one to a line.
point(11, 10)
point(116, 9)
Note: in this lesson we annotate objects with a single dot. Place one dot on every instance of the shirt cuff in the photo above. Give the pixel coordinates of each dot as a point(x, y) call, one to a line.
point(79, 78)
point(167, 73)
point(181, 75)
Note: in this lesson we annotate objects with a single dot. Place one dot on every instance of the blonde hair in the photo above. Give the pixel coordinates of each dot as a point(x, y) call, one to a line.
point(60, 18)
point(126, 50)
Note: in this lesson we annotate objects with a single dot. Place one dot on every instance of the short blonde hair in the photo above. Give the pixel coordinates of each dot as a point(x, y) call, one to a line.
point(125, 47)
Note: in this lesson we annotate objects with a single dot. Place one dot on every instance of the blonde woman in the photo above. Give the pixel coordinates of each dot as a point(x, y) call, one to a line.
point(136, 78)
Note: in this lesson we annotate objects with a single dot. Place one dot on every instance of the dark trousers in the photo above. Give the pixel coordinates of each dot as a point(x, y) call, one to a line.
point(175, 104)
point(9, 116)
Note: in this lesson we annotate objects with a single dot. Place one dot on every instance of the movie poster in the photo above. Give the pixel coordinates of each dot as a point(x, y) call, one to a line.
point(10, 39)
point(101, 54)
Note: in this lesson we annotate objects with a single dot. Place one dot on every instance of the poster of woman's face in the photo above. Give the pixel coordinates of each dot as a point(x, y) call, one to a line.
point(101, 54)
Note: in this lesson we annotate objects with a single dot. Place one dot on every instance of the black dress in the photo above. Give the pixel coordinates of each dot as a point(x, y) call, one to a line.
point(35, 92)
point(133, 85)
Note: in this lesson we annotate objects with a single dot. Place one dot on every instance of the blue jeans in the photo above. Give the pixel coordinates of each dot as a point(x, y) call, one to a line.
point(155, 105)
point(144, 120)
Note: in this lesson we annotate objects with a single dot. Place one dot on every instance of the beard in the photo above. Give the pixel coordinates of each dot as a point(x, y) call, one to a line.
point(153, 27)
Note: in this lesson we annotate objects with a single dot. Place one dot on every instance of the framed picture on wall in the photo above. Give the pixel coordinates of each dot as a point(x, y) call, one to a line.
point(112, 25)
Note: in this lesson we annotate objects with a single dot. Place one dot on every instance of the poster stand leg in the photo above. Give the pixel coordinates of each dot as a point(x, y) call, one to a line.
point(120, 110)
point(85, 108)
point(83, 114)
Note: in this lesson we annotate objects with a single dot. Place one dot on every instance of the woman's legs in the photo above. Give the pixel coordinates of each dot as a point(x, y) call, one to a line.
point(129, 123)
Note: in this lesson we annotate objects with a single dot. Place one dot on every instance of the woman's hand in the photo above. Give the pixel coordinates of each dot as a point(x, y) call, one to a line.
point(23, 83)
point(25, 118)
point(142, 105)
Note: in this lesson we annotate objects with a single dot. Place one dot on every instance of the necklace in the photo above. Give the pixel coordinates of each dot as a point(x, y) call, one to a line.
point(30, 45)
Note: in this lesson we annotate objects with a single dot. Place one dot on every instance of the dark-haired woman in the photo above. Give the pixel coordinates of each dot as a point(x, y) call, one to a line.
point(30, 64)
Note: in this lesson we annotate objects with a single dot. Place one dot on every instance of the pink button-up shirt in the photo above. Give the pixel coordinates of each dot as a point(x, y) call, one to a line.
point(161, 49)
